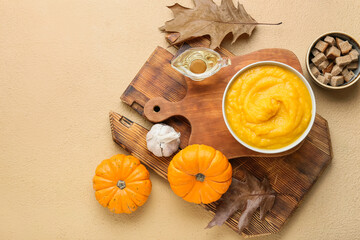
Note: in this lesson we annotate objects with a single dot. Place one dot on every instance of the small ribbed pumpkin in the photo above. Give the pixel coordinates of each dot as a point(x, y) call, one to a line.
point(121, 184)
point(199, 174)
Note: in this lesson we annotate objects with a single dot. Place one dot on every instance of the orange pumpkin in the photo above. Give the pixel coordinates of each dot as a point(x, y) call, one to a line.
point(121, 183)
point(199, 174)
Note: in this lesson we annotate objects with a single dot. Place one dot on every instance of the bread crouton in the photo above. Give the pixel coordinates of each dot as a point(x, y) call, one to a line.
point(321, 45)
point(314, 70)
point(332, 52)
point(336, 81)
point(330, 40)
point(338, 41)
point(344, 72)
point(336, 70)
point(327, 77)
point(350, 74)
point(322, 79)
point(329, 68)
point(345, 47)
point(315, 52)
point(354, 54)
point(323, 65)
point(353, 66)
point(343, 61)
point(318, 59)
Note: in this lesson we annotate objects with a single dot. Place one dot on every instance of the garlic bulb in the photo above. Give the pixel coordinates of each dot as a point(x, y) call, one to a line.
point(162, 140)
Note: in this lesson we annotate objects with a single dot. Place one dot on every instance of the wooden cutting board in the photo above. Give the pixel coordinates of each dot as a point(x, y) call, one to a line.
point(291, 176)
point(202, 104)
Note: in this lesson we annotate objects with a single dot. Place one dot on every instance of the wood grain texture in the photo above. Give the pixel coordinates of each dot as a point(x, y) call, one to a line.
point(140, 90)
point(202, 104)
point(290, 176)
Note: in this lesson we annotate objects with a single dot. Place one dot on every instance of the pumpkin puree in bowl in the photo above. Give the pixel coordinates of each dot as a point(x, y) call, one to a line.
point(268, 107)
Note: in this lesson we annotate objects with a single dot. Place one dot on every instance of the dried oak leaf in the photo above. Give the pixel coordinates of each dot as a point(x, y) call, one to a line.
point(247, 196)
point(207, 18)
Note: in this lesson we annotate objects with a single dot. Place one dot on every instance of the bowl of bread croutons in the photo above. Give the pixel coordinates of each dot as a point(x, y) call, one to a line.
point(333, 60)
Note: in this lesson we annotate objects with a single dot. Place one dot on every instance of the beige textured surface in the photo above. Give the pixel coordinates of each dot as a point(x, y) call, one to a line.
point(63, 67)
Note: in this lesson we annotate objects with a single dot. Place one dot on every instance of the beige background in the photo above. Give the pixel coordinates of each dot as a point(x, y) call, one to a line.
point(63, 67)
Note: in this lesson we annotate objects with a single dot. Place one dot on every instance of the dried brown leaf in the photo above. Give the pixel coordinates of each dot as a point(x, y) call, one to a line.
point(247, 196)
point(207, 18)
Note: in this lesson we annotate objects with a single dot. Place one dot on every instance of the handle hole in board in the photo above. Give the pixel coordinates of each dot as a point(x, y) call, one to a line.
point(156, 109)
point(126, 122)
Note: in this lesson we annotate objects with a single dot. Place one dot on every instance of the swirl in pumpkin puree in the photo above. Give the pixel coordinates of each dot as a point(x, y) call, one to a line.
point(268, 107)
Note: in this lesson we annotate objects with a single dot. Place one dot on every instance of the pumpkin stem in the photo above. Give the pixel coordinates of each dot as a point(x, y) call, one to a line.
point(200, 177)
point(121, 184)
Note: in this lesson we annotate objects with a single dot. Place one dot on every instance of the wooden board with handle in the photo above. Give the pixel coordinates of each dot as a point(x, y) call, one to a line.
point(202, 104)
point(164, 82)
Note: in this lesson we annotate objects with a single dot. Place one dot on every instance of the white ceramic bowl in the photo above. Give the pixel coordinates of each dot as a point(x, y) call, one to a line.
point(313, 111)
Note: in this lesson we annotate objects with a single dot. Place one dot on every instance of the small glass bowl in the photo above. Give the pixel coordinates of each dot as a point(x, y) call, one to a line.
point(182, 62)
